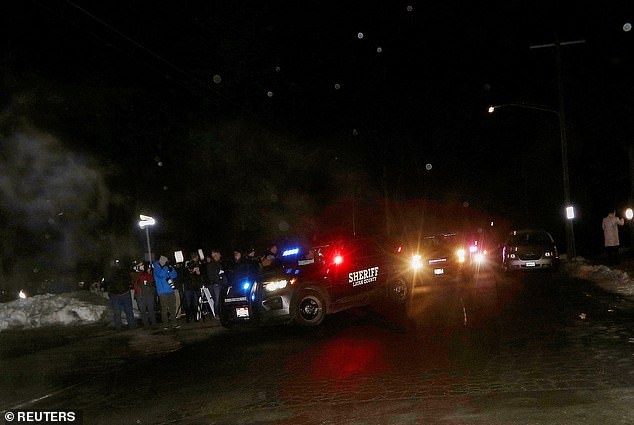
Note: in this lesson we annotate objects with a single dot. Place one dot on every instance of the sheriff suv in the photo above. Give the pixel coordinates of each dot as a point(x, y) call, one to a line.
point(308, 284)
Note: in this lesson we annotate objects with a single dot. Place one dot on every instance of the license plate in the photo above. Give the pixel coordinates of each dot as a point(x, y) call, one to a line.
point(530, 264)
point(439, 271)
point(242, 311)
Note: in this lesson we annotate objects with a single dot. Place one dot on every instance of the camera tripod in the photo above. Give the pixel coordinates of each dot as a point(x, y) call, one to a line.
point(205, 298)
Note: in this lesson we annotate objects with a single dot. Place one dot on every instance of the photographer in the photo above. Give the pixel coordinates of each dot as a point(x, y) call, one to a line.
point(164, 276)
point(192, 285)
point(217, 279)
point(145, 292)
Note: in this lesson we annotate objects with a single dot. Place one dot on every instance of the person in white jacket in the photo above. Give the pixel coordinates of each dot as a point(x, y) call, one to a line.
point(611, 236)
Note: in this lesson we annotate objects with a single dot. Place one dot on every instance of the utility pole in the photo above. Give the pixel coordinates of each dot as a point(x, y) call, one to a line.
point(630, 155)
point(570, 234)
point(386, 202)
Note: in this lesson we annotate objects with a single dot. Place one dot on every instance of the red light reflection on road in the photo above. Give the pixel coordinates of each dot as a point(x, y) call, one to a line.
point(345, 357)
point(341, 363)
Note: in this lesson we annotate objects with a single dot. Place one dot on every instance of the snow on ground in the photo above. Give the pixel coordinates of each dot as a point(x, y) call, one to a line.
point(52, 309)
point(611, 280)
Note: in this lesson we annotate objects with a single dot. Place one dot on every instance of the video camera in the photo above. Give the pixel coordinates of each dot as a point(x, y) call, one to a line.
point(192, 266)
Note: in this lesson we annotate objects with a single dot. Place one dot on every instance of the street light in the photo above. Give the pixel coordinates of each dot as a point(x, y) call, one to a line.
point(570, 213)
point(145, 223)
point(492, 108)
point(570, 234)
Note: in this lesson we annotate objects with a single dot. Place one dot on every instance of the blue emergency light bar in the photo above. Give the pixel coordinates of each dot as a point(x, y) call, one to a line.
point(289, 252)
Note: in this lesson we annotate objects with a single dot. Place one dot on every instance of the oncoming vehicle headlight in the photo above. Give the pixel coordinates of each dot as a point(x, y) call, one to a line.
point(548, 254)
point(275, 285)
point(461, 255)
point(416, 262)
point(479, 258)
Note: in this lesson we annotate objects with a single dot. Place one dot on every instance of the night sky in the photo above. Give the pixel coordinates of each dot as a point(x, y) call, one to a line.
point(234, 121)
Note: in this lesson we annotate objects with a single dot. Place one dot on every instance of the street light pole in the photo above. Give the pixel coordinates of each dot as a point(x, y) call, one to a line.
point(570, 233)
point(147, 236)
point(145, 222)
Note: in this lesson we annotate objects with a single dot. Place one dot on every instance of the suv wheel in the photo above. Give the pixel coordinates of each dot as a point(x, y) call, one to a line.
point(309, 309)
point(398, 291)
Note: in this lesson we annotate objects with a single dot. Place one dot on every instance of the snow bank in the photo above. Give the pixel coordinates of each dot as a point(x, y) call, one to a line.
point(50, 309)
point(615, 281)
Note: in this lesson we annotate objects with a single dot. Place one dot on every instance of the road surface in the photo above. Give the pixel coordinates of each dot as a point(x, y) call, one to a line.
point(535, 349)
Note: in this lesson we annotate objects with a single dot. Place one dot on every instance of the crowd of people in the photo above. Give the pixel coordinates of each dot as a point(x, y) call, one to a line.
point(178, 287)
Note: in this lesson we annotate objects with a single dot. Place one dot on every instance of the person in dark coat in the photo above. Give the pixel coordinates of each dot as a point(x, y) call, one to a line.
point(242, 269)
point(217, 279)
point(270, 259)
point(192, 285)
point(118, 281)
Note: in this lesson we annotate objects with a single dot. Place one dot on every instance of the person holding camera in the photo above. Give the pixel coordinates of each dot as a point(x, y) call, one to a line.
point(217, 279)
point(192, 285)
point(164, 276)
point(145, 292)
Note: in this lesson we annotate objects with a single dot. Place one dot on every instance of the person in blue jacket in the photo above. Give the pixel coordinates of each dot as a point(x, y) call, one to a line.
point(164, 276)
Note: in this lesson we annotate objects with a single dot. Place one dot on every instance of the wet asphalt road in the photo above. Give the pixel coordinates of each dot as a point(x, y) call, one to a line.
point(502, 350)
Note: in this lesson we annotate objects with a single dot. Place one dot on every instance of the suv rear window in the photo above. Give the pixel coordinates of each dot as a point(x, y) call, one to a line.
point(531, 238)
point(447, 240)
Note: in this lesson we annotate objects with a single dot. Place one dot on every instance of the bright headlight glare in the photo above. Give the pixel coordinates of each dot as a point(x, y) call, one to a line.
point(461, 255)
point(417, 262)
point(275, 285)
point(479, 257)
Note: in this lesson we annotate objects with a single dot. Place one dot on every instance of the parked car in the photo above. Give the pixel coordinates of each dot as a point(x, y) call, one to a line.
point(530, 250)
